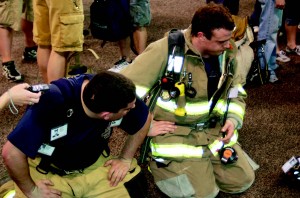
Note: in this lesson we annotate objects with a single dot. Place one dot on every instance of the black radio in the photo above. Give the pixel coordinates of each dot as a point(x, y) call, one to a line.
point(39, 88)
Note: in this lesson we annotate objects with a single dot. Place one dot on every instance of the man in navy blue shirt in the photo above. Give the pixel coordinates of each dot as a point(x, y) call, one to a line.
point(60, 146)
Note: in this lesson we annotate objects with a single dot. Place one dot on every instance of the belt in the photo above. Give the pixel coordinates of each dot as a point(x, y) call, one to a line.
point(57, 171)
point(200, 126)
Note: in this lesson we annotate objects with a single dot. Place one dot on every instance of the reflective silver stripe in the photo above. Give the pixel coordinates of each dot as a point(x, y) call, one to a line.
point(217, 144)
point(141, 91)
point(176, 150)
point(199, 108)
point(236, 109)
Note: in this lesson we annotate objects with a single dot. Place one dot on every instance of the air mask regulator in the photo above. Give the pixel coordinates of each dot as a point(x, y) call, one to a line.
point(227, 154)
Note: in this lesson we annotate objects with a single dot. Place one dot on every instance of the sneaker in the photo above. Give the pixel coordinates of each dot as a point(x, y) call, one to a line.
point(273, 78)
point(295, 51)
point(282, 57)
point(29, 54)
point(11, 73)
point(255, 29)
point(120, 65)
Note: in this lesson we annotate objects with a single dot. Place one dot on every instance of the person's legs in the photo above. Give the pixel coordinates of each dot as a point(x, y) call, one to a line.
point(8, 65)
point(236, 177)
point(291, 32)
point(124, 46)
point(43, 55)
point(6, 38)
point(56, 65)
point(140, 39)
point(30, 51)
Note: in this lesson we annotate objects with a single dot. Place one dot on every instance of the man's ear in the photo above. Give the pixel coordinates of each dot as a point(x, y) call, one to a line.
point(105, 115)
point(201, 35)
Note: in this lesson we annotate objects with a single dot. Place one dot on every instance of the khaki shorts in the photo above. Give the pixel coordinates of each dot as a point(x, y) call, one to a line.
point(62, 28)
point(92, 182)
point(204, 177)
point(11, 12)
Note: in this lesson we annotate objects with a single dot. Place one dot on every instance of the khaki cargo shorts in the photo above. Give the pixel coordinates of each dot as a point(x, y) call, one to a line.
point(59, 23)
point(11, 12)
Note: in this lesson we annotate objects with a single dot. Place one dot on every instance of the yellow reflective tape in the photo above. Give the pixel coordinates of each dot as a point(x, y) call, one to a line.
point(187, 151)
point(217, 144)
point(141, 91)
point(241, 89)
point(176, 150)
point(215, 147)
point(10, 194)
point(233, 139)
point(236, 109)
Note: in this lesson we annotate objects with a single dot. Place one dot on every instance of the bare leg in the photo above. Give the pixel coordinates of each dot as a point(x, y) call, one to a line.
point(124, 46)
point(43, 55)
point(27, 28)
point(291, 32)
point(56, 65)
point(140, 39)
point(6, 37)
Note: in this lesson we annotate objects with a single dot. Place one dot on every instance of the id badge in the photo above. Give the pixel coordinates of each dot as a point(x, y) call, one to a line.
point(115, 123)
point(58, 132)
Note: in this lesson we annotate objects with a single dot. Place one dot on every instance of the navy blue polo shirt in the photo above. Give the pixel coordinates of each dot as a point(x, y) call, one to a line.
point(83, 139)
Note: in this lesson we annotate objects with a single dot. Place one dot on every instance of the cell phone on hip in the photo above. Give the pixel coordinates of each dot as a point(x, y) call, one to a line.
point(39, 88)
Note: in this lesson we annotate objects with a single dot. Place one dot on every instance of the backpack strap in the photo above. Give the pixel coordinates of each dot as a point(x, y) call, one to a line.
point(176, 44)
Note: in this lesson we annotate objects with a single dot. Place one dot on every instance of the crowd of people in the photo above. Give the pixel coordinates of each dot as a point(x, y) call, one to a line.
point(60, 147)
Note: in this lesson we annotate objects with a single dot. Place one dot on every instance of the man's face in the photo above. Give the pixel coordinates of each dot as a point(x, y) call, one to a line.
point(217, 44)
point(122, 112)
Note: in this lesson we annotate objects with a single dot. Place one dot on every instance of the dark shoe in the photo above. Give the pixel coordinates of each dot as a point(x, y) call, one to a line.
point(119, 65)
point(29, 54)
point(11, 73)
point(295, 51)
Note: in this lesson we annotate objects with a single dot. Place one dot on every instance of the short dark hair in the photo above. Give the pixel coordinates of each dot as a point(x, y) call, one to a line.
point(211, 17)
point(108, 91)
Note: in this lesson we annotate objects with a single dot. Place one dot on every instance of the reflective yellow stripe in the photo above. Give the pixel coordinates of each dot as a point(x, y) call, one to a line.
point(241, 90)
point(199, 108)
point(10, 194)
point(141, 91)
point(217, 145)
point(176, 150)
point(236, 109)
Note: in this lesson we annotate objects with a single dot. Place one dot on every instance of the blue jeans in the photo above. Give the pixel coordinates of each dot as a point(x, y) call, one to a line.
point(269, 24)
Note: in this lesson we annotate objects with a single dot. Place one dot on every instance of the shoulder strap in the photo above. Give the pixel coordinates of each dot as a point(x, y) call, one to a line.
point(175, 47)
point(68, 110)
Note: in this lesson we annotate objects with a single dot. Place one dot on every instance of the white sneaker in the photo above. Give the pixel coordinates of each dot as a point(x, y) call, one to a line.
point(273, 78)
point(282, 57)
point(119, 65)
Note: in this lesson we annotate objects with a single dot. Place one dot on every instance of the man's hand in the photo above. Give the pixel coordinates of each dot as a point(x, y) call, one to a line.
point(161, 127)
point(43, 190)
point(228, 128)
point(119, 169)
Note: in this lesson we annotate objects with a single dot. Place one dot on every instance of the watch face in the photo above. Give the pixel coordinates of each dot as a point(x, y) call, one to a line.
point(165, 96)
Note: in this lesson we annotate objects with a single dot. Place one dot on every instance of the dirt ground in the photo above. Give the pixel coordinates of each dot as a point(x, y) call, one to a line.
point(271, 130)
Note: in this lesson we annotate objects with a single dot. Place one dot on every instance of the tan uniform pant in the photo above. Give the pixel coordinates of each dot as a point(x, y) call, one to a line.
point(204, 177)
point(92, 183)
